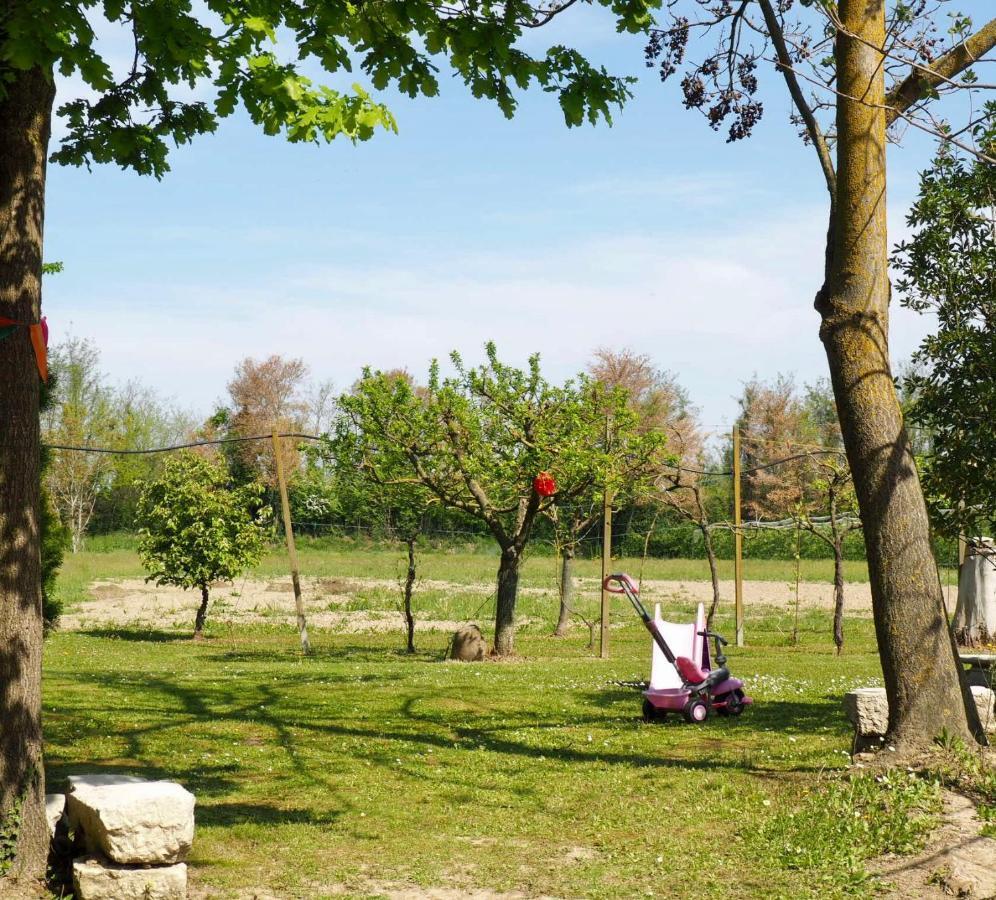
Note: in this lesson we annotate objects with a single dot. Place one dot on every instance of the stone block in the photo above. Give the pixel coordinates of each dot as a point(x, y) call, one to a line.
point(867, 710)
point(95, 878)
point(130, 820)
point(984, 703)
point(55, 807)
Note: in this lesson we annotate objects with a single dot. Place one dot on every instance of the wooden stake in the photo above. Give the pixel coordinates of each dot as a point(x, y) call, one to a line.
point(738, 540)
point(302, 624)
point(603, 651)
point(606, 571)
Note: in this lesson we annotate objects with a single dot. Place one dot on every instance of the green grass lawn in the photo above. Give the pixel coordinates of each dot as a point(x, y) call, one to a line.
point(360, 767)
point(360, 770)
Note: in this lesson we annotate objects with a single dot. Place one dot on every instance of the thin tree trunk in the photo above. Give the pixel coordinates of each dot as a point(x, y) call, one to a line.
point(915, 643)
point(201, 614)
point(798, 574)
point(703, 523)
point(838, 594)
point(566, 590)
point(25, 116)
point(409, 587)
point(508, 587)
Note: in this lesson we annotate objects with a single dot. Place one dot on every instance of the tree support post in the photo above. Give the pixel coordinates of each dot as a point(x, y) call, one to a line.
point(603, 650)
point(302, 624)
point(738, 541)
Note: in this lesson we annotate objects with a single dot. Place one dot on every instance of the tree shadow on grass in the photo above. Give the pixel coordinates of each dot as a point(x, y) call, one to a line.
point(792, 716)
point(141, 635)
point(215, 780)
point(223, 815)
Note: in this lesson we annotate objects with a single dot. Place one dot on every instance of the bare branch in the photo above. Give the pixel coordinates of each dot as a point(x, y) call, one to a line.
point(812, 126)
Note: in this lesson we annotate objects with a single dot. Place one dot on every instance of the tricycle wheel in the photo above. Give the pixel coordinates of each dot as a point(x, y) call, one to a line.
point(696, 710)
point(651, 713)
point(735, 703)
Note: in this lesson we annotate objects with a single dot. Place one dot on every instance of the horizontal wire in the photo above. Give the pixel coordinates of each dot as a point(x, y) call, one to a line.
point(151, 450)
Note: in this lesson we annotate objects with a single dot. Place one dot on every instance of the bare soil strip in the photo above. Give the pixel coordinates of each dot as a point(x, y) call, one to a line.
point(135, 603)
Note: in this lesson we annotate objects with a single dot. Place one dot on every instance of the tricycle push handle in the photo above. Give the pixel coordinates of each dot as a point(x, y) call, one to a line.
point(622, 580)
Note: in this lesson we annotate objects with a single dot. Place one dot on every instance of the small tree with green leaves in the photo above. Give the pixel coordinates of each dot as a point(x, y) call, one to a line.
point(195, 528)
point(375, 473)
point(478, 439)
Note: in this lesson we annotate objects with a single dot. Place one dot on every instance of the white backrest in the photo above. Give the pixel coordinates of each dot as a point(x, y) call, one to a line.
point(683, 640)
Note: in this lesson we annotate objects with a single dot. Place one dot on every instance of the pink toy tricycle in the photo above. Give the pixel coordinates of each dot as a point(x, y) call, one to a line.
point(689, 684)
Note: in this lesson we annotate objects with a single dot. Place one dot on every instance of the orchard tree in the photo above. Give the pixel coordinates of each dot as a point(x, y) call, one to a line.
point(948, 268)
point(870, 63)
point(376, 474)
point(478, 439)
point(80, 413)
point(189, 70)
point(774, 426)
point(195, 528)
point(266, 395)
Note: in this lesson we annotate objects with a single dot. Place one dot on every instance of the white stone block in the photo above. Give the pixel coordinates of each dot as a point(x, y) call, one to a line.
point(130, 820)
point(55, 807)
point(984, 703)
point(97, 879)
point(867, 710)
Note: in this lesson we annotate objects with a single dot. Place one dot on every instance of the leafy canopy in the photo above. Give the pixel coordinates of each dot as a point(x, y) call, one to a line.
point(189, 67)
point(195, 529)
point(477, 439)
point(948, 268)
point(373, 474)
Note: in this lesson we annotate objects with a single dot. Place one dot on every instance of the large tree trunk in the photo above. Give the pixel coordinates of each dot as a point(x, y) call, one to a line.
point(409, 587)
point(915, 644)
point(508, 588)
point(201, 613)
point(25, 115)
point(566, 590)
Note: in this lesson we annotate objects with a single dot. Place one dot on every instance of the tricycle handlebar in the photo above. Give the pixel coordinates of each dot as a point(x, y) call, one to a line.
point(624, 581)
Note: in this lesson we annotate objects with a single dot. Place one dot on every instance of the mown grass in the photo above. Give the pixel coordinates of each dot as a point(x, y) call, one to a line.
point(361, 767)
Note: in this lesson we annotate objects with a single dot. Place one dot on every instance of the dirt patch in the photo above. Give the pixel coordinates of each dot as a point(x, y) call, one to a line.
point(812, 595)
point(133, 603)
point(108, 590)
point(136, 603)
point(959, 861)
point(337, 586)
point(395, 890)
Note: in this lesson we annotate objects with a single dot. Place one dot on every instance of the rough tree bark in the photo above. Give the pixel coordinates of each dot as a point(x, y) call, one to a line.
point(409, 587)
point(201, 613)
point(703, 523)
point(508, 586)
point(25, 115)
point(915, 644)
point(838, 594)
point(566, 590)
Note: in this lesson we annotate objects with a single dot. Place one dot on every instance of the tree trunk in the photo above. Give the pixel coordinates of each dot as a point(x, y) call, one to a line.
point(201, 614)
point(25, 115)
point(409, 587)
point(508, 588)
point(566, 590)
point(838, 594)
point(915, 644)
point(713, 574)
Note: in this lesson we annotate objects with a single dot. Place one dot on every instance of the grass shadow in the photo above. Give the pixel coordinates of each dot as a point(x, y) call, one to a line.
point(140, 635)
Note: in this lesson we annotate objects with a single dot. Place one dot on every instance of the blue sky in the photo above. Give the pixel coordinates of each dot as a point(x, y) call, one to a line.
point(653, 234)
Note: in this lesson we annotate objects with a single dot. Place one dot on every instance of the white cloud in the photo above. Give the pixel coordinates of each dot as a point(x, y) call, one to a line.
point(715, 306)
